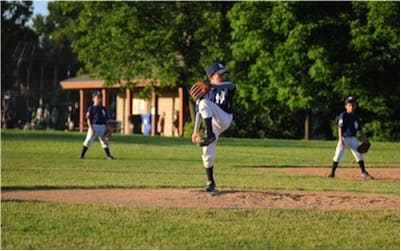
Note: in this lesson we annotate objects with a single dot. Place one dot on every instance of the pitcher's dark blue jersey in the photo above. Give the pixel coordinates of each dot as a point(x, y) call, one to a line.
point(349, 124)
point(97, 115)
point(222, 95)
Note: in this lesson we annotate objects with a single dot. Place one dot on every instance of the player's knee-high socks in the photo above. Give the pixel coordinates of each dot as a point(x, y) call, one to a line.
point(362, 166)
point(333, 168)
point(210, 186)
point(84, 149)
point(107, 151)
point(365, 174)
point(208, 125)
point(209, 135)
point(209, 174)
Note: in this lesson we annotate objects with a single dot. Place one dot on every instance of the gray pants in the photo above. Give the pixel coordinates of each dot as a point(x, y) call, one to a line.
point(98, 130)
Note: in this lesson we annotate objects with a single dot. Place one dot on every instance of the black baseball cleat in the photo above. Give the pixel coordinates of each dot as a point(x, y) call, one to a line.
point(210, 186)
point(110, 157)
point(207, 139)
point(331, 175)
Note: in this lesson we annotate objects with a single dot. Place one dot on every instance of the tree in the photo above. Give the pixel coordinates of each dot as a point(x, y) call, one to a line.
point(375, 75)
point(56, 57)
point(166, 43)
point(293, 62)
point(303, 57)
point(18, 42)
point(123, 41)
point(289, 54)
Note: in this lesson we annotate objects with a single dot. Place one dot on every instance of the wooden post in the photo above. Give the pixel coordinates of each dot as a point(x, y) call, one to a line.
point(104, 97)
point(128, 111)
point(153, 113)
point(306, 126)
point(181, 111)
point(82, 107)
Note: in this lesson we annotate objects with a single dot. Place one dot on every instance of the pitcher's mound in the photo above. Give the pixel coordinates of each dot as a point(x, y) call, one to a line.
point(226, 198)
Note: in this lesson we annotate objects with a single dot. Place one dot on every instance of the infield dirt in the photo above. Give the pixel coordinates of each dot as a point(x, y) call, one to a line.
point(227, 198)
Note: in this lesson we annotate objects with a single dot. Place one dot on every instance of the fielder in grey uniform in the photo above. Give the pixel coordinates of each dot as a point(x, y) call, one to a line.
point(97, 118)
point(215, 109)
point(348, 126)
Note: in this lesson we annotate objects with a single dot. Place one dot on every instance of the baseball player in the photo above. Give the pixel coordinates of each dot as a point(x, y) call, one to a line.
point(348, 125)
point(215, 109)
point(96, 117)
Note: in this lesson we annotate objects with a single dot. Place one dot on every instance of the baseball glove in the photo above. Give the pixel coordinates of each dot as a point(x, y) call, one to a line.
point(107, 134)
point(199, 89)
point(364, 147)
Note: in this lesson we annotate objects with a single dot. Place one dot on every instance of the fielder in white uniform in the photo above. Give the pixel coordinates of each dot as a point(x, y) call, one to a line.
point(215, 109)
point(348, 126)
point(97, 118)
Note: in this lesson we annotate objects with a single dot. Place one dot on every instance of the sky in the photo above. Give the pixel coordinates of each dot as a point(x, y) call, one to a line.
point(40, 7)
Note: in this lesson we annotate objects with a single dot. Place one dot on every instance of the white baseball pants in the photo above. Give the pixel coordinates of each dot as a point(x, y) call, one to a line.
point(98, 131)
point(348, 142)
point(221, 120)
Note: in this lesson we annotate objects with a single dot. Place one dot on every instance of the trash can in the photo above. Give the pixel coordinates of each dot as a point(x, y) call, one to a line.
point(136, 123)
point(146, 123)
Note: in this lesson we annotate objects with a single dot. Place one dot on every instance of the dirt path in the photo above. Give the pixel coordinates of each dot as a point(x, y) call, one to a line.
point(230, 198)
point(227, 198)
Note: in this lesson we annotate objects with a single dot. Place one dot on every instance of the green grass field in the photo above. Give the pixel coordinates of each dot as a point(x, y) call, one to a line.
point(47, 159)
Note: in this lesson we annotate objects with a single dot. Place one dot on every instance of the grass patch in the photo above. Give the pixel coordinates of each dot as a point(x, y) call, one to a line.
point(51, 159)
point(32, 225)
point(32, 159)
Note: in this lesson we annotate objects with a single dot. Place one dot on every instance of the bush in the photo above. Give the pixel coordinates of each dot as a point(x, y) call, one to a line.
point(188, 128)
point(376, 130)
point(383, 131)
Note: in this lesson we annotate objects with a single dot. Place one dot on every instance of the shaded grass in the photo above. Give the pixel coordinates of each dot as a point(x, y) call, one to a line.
point(33, 225)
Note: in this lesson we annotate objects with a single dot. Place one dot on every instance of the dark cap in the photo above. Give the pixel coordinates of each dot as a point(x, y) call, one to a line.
point(215, 68)
point(96, 94)
point(349, 99)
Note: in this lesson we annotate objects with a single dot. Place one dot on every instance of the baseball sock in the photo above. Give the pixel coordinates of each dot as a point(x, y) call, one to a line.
point(334, 167)
point(362, 166)
point(84, 149)
point(209, 135)
point(208, 125)
point(107, 151)
point(209, 173)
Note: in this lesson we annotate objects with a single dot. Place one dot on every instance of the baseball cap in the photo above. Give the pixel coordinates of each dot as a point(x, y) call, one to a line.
point(349, 99)
point(215, 68)
point(96, 94)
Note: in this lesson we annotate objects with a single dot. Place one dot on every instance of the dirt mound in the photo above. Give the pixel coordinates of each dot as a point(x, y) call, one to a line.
point(354, 173)
point(227, 198)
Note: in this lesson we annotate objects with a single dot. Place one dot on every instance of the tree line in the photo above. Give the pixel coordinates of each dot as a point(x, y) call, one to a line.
point(293, 62)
